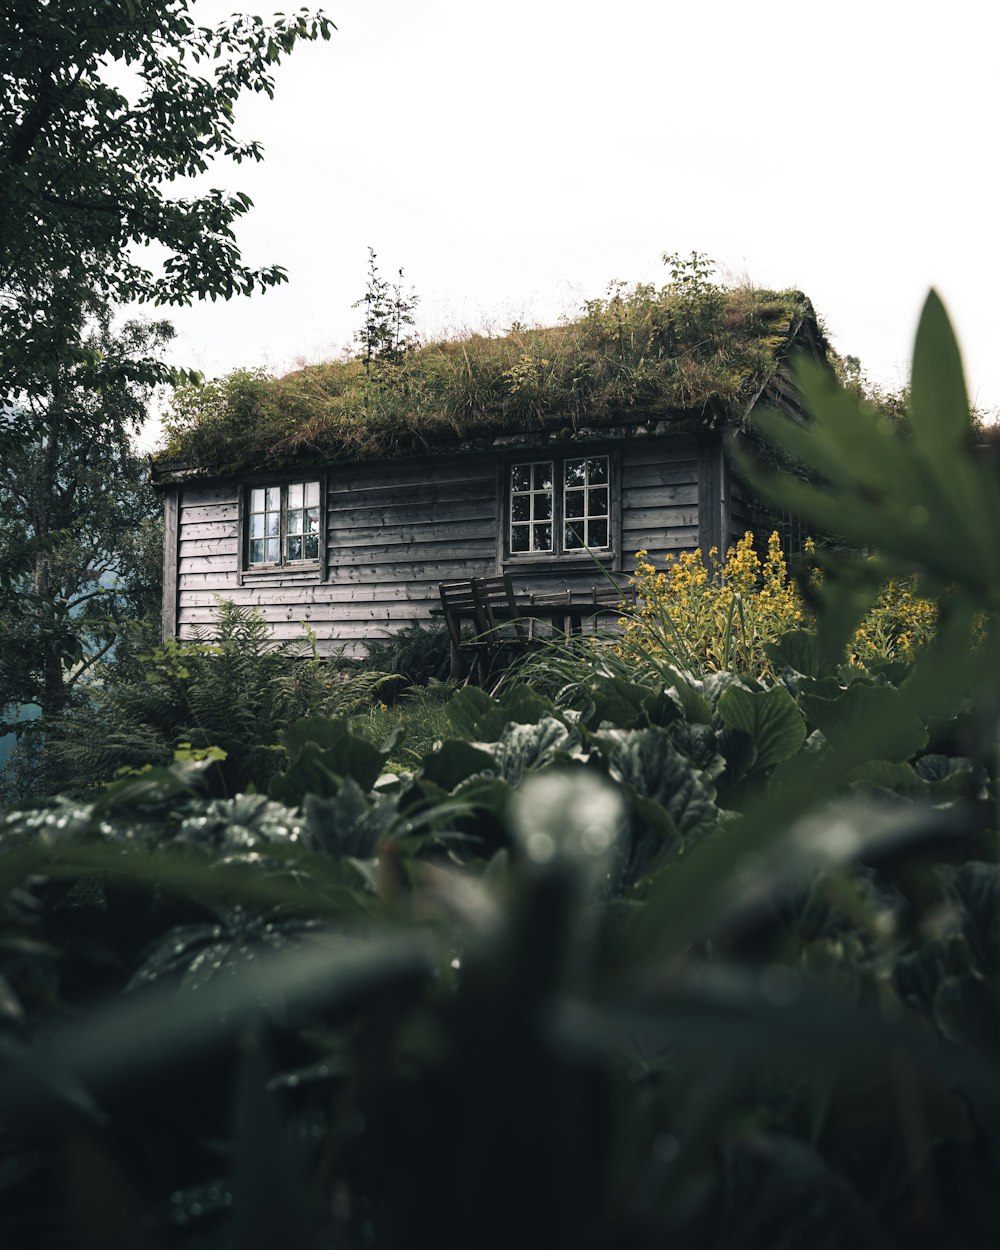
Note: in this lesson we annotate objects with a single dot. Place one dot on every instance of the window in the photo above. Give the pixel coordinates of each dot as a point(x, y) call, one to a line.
point(283, 524)
point(560, 506)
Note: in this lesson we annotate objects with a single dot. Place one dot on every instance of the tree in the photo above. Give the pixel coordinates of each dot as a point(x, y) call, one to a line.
point(387, 333)
point(86, 165)
point(80, 544)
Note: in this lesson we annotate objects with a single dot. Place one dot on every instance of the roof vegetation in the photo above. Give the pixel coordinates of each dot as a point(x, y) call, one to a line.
point(690, 351)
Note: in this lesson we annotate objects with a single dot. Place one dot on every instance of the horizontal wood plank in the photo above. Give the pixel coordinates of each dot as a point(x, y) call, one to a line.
point(206, 546)
point(192, 531)
point(202, 496)
point(207, 564)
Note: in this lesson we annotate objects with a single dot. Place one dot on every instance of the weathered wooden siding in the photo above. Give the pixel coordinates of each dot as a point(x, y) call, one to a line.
point(395, 530)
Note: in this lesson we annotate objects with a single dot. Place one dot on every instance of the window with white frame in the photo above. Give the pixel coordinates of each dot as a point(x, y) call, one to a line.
point(559, 506)
point(283, 524)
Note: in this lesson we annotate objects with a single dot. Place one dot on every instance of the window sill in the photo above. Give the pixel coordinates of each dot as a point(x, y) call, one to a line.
point(262, 571)
point(575, 559)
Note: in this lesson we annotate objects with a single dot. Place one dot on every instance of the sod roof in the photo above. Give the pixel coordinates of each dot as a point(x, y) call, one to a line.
point(692, 359)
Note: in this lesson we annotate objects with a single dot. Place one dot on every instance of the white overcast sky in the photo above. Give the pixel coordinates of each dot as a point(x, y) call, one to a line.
point(515, 157)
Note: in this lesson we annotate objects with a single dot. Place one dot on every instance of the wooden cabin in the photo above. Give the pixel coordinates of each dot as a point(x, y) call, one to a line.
point(355, 547)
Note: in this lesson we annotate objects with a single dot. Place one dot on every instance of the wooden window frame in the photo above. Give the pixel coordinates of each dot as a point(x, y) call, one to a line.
point(609, 556)
point(300, 570)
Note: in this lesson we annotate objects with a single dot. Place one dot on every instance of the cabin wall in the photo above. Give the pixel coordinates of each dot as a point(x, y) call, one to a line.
point(397, 529)
point(394, 531)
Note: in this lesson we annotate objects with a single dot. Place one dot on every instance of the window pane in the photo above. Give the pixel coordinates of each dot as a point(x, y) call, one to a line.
point(312, 521)
point(295, 522)
point(520, 477)
point(543, 476)
point(574, 536)
point(271, 553)
point(519, 538)
point(574, 503)
point(312, 494)
point(295, 495)
point(272, 524)
point(520, 508)
point(256, 501)
point(543, 507)
point(597, 470)
point(257, 551)
point(273, 498)
point(541, 537)
point(294, 548)
point(257, 525)
point(575, 472)
point(312, 547)
point(598, 531)
point(597, 501)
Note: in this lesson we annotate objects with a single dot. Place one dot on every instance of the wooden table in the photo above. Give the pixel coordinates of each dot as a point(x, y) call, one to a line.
point(565, 618)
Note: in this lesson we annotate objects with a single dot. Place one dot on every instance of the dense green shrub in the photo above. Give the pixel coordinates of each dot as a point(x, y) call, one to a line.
point(230, 694)
point(415, 655)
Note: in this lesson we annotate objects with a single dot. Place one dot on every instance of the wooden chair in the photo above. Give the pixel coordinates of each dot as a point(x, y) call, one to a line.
point(606, 594)
point(469, 656)
point(607, 599)
point(499, 622)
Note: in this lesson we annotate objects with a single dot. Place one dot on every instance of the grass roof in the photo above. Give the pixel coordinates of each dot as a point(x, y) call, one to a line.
point(693, 353)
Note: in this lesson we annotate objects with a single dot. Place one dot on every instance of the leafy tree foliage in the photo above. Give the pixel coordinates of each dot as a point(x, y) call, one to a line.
point(86, 163)
point(81, 540)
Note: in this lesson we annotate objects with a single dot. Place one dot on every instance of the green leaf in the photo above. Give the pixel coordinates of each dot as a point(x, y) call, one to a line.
point(321, 771)
point(843, 719)
point(522, 706)
point(687, 690)
point(740, 752)
point(770, 717)
point(346, 825)
point(466, 708)
point(939, 405)
point(619, 703)
point(889, 775)
point(322, 731)
point(648, 762)
point(524, 748)
point(797, 650)
point(453, 761)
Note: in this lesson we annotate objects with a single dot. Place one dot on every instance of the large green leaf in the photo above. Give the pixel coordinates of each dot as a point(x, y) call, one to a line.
point(929, 501)
point(524, 748)
point(648, 762)
point(477, 717)
point(796, 650)
point(323, 752)
point(452, 761)
point(770, 717)
point(842, 719)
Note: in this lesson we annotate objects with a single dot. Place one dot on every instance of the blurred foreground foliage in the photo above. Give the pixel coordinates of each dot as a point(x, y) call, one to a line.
point(627, 959)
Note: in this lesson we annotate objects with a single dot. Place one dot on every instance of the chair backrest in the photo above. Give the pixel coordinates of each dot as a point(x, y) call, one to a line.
point(497, 610)
point(607, 594)
point(550, 598)
point(458, 599)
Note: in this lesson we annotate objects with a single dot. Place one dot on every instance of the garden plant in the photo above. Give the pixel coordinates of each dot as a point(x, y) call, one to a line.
point(634, 955)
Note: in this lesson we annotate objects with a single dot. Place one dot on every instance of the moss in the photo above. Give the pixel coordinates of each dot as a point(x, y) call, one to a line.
point(641, 353)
